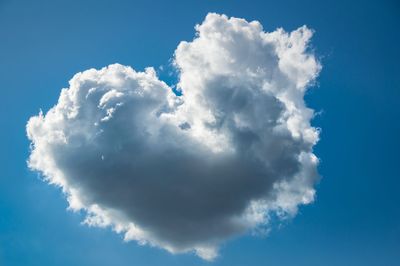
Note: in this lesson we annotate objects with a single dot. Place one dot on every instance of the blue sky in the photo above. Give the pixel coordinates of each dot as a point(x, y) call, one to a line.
point(355, 219)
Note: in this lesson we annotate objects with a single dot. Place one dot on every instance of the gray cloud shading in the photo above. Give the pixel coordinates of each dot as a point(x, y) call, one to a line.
point(187, 172)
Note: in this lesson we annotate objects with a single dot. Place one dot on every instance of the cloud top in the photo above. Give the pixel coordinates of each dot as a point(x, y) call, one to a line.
point(187, 172)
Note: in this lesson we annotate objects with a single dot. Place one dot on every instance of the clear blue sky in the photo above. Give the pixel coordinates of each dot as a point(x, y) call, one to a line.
point(356, 217)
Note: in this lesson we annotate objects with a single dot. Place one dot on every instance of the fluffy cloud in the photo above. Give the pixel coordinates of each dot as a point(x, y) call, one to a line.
point(186, 172)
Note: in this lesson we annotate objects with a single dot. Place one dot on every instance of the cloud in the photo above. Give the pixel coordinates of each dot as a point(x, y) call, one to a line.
point(187, 172)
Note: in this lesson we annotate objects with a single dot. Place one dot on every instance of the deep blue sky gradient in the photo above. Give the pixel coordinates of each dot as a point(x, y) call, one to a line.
point(356, 217)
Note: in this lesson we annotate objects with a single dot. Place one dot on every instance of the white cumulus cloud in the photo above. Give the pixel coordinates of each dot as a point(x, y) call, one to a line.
point(186, 172)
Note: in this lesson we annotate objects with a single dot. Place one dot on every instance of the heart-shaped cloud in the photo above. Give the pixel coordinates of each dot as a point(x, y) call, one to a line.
point(185, 172)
